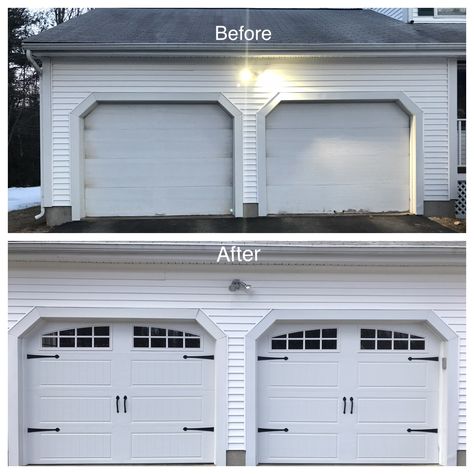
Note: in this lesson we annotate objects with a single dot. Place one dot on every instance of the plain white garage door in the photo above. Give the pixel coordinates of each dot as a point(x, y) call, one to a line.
point(348, 393)
point(334, 157)
point(119, 393)
point(158, 159)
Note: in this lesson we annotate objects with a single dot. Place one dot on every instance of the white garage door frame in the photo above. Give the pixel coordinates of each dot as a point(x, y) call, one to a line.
point(448, 396)
point(414, 113)
point(16, 335)
point(82, 110)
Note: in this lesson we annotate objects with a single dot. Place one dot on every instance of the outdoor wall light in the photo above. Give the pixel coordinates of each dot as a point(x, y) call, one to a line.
point(239, 285)
point(270, 80)
point(246, 75)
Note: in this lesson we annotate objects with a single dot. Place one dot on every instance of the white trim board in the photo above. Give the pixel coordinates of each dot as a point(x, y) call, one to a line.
point(448, 378)
point(78, 115)
point(403, 101)
point(26, 324)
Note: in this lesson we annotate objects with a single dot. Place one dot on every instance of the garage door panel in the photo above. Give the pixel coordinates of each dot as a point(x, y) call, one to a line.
point(130, 408)
point(335, 157)
point(325, 144)
point(148, 159)
point(75, 409)
point(332, 197)
point(363, 415)
point(168, 447)
point(392, 447)
point(392, 410)
point(300, 374)
point(328, 115)
point(157, 116)
point(157, 373)
point(74, 372)
point(108, 174)
point(191, 144)
point(74, 447)
point(166, 409)
point(339, 170)
point(158, 201)
point(395, 374)
point(303, 410)
point(298, 448)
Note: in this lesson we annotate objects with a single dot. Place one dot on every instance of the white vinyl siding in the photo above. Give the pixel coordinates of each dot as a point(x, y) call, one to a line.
point(397, 13)
point(425, 81)
point(441, 290)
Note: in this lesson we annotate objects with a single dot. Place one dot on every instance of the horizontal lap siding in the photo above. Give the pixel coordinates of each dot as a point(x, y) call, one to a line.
point(397, 13)
point(150, 286)
point(423, 80)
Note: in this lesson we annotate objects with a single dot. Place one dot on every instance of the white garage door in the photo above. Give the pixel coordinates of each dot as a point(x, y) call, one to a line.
point(327, 157)
point(158, 159)
point(119, 393)
point(348, 393)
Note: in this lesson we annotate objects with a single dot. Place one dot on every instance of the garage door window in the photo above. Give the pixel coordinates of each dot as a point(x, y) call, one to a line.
point(83, 338)
point(381, 339)
point(310, 339)
point(161, 338)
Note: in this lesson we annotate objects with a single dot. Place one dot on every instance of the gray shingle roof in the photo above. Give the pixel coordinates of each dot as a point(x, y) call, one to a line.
point(188, 27)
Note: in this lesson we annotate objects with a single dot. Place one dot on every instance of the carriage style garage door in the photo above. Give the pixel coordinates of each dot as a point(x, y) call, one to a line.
point(348, 393)
point(158, 159)
point(334, 157)
point(119, 393)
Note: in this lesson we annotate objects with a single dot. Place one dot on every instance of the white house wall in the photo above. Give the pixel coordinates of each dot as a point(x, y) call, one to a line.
point(441, 290)
point(425, 81)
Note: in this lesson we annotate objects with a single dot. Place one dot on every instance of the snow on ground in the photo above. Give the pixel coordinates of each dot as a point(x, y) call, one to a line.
point(21, 198)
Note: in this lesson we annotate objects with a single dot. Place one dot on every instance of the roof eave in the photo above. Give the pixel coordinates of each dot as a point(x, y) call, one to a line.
point(225, 50)
point(318, 254)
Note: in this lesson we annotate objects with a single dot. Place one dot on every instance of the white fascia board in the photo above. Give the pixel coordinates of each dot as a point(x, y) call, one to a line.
point(210, 49)
point(412, 254)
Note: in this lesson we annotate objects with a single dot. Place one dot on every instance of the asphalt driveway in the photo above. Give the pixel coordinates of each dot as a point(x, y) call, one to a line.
point(290, 224)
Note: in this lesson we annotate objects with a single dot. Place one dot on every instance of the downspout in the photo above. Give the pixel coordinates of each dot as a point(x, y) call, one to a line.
point(37, 68)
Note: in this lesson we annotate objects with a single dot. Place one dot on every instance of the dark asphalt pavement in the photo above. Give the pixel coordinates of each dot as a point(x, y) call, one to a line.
point(290, 224)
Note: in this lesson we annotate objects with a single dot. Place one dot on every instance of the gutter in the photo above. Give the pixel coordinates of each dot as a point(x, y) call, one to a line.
point(229, 49)
point(38, 69)
point(272, 253)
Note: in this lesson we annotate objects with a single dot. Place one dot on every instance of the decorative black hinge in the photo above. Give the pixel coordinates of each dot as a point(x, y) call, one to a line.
point(434, 359)
point(429, 430)
point(198, 357)
point(272, 358)
point(36, 430)
point(265, 430)
point(41, 356)
point(207, 428)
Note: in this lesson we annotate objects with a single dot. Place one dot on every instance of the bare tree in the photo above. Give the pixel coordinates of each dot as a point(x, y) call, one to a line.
point(64, 14)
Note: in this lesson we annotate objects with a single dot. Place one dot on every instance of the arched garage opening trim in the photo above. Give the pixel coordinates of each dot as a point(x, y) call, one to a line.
point(414, 113)
point(38, 314)
point(78, 115)
point(448, 419)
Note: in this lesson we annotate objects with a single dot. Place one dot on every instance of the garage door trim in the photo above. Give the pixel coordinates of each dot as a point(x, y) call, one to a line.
point(448, 378)
point(404, 102)
point(15, 363)
point(94, 99)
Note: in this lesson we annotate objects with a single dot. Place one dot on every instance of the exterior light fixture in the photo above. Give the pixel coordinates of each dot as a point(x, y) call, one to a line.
point(239, 285)
point(270, 80)
point(246, 75)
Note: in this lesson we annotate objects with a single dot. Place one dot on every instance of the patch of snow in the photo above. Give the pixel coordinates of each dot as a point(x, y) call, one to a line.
point(22, 198)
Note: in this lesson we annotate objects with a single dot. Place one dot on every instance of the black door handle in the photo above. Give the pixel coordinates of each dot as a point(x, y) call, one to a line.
point(117, 399)
point(125, 403)
point(266, 430)
point(352, 404)
point(344, 409)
